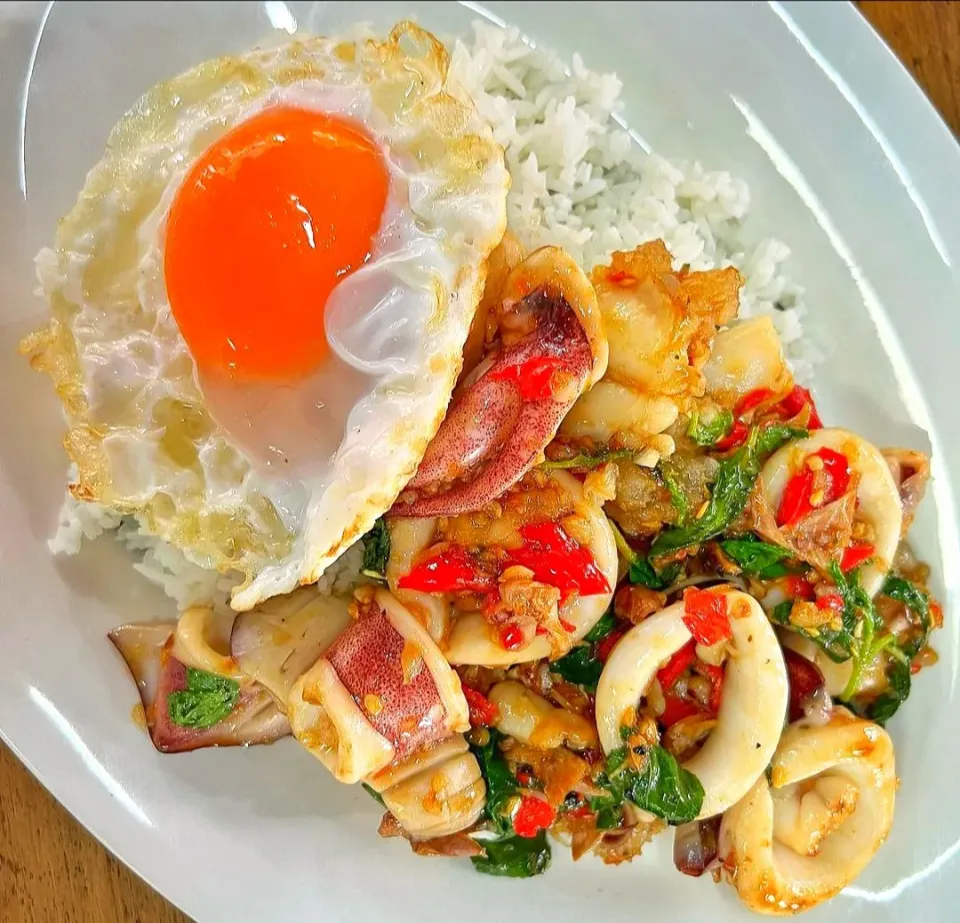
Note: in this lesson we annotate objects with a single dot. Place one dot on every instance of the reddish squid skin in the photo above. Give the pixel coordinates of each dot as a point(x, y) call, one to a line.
point(491, 437)
point(394, 690)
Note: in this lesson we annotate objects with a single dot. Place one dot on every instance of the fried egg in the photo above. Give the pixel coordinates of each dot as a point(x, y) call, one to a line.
point(261, 298)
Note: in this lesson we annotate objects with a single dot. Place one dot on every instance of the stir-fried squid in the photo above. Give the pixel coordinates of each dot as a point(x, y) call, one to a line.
point(601, 598)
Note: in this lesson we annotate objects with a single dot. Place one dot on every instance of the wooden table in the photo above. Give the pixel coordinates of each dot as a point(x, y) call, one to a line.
point(53, 871)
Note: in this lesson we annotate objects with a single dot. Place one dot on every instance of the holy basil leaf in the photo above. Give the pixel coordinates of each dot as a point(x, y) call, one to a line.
point(735, 479)
point(514, 856)
point(834, 642)
point(641, 572)
point(861, 622)
point(917, 603)
point(585, 460)
point(606, 624)
point(708, 434)
point(756, 558)
point(502, 784)
point(373, 793)
point(885, 705)
point(206, 701)
point(678, 498)
point(662, 787)
point(580, 666)
point(376, 550)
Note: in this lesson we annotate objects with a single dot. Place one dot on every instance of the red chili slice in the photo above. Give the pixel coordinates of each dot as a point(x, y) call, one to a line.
point(533, 376)
point(805, 677)
point(715, 675)
point(795, 401)
point(670, 672)
point(735, 438)
point(676, 709)
point(798, 588)
point(449, 571)
point(483, 713)
point(511, 637)
point(705, 615)
point(751, 400)
point(556, 559)
point(533, 815)
point(854, 555)
point(837, 467)
point(795, 502)
point(606, 646)
point(831, 601)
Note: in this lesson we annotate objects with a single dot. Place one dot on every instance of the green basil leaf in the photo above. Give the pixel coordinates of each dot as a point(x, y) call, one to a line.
point(502, 784)
point(580, 666)
point(885, 705)
point(917, 603)
point(678, 498)
point(376, 550)
point(206, 701)
point(641, 572)
point(666, 789)
point(835, 643)
point(708, 434)
point(514, 856)
point(663, 787)
point(605, 625)
point(735, 479)
point(756, 558)
point(373, 793)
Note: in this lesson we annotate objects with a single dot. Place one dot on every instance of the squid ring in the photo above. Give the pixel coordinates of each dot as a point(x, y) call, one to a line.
point(878, 498)
point(799, 839)
point(754, 702)
point(470, 638)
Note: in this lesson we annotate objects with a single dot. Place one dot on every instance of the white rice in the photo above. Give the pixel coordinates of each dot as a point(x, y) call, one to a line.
point(580, 181)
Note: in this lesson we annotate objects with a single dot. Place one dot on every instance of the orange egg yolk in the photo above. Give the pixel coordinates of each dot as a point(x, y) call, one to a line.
point(269, 219)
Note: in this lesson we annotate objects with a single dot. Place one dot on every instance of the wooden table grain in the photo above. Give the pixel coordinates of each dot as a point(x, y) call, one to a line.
point(53, 871)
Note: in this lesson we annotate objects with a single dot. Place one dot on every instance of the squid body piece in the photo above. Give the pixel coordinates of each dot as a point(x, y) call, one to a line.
point(380, 693)
point(754, 703)
point(878, 498)
point(800, 838)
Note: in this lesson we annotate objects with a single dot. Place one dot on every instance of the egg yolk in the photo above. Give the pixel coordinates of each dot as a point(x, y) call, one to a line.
point(269, 219)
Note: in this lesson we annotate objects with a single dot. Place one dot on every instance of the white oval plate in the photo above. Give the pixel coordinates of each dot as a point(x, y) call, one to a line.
point(847, 162)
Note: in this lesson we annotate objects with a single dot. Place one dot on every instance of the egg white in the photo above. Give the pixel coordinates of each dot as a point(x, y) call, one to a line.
point(273, 481)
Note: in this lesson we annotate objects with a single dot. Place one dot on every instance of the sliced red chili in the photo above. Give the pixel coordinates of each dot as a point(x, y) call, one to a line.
point(715, 674)
point(795, 401)
point(533, 815)
point(798, 588)
point(676, 709)
point(830, 601)
point(606, 646)
point(837, 467)
point(483, 713)
point(805, 677)
point(795, 502)
point(556, 559)
point(449, 571)
point(751, 400)
point(533, 376)
point(735, 438)
point(705, 615)
point(511, 637)
point(670, 672)
point(854, 555)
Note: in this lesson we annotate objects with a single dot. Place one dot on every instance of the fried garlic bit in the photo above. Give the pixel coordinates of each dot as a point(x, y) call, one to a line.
point(796, 840)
